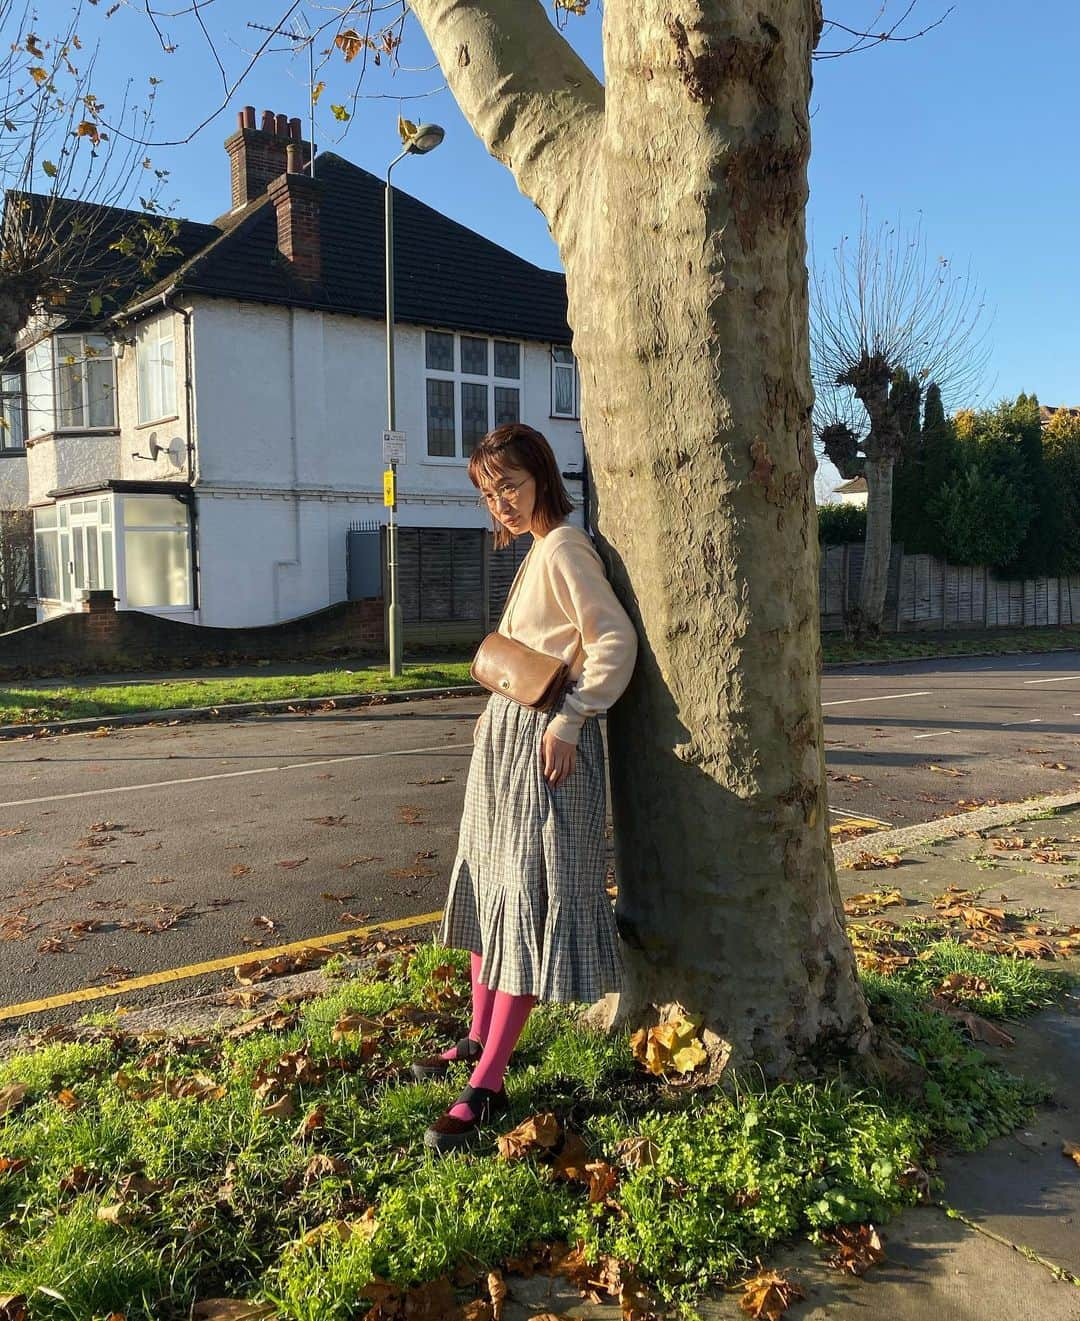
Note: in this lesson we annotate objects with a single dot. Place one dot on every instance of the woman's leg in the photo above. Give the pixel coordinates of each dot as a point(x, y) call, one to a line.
point(483, 1000)
point(509, 1015)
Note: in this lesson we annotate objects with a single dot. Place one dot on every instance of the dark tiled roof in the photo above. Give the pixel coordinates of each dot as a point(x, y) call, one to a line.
point(95, 267)
point(445, 274)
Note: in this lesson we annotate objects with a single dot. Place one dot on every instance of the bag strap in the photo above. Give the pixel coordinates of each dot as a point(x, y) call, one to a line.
point(515, 588)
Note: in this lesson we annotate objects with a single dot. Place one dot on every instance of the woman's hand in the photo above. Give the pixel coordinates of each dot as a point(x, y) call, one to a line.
point(557, 759)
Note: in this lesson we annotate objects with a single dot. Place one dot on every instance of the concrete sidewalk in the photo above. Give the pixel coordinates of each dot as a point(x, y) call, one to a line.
point(1003, 1239)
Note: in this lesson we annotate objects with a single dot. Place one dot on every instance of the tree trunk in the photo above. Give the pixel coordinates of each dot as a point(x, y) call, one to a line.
point(867, 616)
point(677, 198)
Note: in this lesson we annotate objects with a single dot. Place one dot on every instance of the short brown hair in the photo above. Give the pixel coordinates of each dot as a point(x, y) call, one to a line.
point(515, 445)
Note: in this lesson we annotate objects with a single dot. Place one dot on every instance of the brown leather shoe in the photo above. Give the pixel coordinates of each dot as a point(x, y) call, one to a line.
point(449, 1133)
point(434, 1066)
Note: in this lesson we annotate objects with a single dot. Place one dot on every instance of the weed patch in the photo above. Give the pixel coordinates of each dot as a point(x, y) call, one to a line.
point(286, 1164)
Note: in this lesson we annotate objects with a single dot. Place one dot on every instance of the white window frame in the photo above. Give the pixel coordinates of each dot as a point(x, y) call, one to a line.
point(15, 368)
point(150, 337)
point(180, 529)
point(60, 356)
point(564, 366)
point(72, 520)
point(460, 378)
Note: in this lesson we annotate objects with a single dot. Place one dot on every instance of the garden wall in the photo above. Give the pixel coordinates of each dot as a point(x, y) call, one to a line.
point(102, 638)
point(926, 593)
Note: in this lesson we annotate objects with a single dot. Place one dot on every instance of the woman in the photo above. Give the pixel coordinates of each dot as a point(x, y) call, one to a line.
point(527, 895)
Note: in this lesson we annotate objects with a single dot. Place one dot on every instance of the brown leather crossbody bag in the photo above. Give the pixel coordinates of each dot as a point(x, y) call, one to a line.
point(508, 667)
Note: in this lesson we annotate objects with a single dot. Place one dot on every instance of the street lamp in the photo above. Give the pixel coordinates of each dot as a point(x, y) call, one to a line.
point(419, 142)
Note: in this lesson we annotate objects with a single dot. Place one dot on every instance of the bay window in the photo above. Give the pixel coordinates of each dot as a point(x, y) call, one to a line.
point(85, 382)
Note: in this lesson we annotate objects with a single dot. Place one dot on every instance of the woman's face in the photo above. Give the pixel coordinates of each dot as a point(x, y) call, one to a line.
point(510, 495)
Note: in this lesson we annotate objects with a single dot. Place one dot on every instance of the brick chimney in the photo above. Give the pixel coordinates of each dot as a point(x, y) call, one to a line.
point(258, 155)
point(295, 196)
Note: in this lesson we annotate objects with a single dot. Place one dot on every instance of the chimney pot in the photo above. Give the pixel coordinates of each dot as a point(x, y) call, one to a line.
point(260, 155)
point(239, 119)
point(294, 128)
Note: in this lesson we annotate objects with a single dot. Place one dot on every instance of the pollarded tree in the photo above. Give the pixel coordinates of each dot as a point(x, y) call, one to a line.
point(885, 320)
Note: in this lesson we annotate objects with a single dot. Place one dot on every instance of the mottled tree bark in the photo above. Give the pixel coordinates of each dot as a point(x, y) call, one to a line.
point(677, 196)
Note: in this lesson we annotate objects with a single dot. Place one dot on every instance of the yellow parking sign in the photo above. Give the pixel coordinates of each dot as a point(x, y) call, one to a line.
point(389, 488)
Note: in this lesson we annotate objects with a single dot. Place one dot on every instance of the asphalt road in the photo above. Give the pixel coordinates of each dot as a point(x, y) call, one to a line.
point(161, 847)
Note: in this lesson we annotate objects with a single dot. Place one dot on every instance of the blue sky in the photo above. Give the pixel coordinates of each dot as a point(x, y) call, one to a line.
point(972, 129)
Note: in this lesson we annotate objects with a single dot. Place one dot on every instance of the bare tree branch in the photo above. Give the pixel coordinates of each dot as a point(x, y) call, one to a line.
point(528, 94)
point(867, 40)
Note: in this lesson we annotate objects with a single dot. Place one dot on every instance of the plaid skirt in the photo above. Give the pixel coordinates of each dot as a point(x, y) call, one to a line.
point(527, 887)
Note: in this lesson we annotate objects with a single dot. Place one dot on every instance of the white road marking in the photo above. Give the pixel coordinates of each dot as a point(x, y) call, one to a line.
point(886, 697)
point(1036, 721)
point(937, 734)
point(1061, 678)
point(858, 816)
point(233, 775)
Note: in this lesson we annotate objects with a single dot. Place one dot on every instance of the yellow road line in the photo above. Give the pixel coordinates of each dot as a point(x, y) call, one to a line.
point(214, 965)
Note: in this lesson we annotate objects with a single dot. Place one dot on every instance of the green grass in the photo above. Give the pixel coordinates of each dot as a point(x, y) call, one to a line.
point(734, 1170)
point(836, 649)
point(24, 704)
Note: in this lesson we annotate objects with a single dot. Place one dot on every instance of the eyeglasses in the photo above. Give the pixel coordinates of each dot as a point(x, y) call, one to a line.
point(507, 491)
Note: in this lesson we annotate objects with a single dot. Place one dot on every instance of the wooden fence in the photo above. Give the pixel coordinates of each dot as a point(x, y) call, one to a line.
point(926, 593)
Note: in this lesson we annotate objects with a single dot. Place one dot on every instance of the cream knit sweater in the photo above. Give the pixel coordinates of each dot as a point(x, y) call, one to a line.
point(561, 603)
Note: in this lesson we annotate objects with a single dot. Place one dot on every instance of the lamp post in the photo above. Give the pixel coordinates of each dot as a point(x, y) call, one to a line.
point(424, 139)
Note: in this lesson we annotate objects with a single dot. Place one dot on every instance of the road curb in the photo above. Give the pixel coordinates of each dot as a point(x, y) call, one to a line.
point(225, 710)
point(949, 827)
point(209, 1009)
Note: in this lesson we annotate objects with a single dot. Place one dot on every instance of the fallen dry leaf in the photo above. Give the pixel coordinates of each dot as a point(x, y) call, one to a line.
point(11, 1096)
point(636, 1153)
point(959, 984)
point(768, 1296)
point(669, 1047)
point(944, 770)
point(1072, 1150)
point(496, 1287)
point(231, 1309)
point(13, 1307)
point(541, 1131)
point(282, 1108)
point(858, 1247)
point(292, 863)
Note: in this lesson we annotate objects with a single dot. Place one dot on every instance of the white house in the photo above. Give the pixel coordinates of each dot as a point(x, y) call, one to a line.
point(853, 492)
point(203, 451)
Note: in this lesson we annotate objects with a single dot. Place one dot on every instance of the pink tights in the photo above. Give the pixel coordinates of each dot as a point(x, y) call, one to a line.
point(498, 1020)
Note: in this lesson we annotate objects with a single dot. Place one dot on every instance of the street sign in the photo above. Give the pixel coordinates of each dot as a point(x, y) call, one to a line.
point(393, 447)
point(389, 488)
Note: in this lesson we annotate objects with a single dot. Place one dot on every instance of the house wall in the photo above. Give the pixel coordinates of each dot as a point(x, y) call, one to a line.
point(14, 482)
point(171, 432)
point(290, 410)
